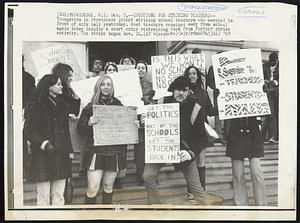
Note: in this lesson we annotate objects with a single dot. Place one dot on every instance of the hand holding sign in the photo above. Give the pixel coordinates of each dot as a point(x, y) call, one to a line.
point(93, 120)
point(184, 156)
point(137, 123)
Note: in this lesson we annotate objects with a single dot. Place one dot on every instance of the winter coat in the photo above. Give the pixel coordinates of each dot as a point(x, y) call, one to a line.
point(73, 104)
point(49, 120)
point(28, 87)
point(201, 97)
point(244, 138)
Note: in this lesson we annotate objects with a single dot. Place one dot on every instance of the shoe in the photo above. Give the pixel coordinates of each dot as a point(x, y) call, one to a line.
point(118, 184)
point(106, 198)
point(89, 200)
point(190, 198)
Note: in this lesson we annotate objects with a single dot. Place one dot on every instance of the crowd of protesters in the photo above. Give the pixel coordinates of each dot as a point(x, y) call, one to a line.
point(46, 137)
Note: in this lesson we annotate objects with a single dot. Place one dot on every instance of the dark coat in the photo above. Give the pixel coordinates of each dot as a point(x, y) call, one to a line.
point(201, 97)
point(210, 78)
point(267, 71)
point(242, 144)
point(73, 104)
point(28, 87)
point(271, 89)
point(85, 130)
point(49, 121)
point(193, 137)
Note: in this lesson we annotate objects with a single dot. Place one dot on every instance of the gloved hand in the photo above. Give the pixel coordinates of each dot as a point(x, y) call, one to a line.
point(49, 148)
point(184, 156)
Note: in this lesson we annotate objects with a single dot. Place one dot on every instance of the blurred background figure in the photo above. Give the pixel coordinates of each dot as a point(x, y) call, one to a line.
point(271, 76)
point(202, 70)
point(28, 85)
point(127, 60)
point(111, 67)
point(95, 66)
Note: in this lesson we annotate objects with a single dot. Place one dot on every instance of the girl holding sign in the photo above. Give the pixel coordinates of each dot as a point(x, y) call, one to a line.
point(110, 68)
point(103, 162)
point(201, 96)
point(50, 141)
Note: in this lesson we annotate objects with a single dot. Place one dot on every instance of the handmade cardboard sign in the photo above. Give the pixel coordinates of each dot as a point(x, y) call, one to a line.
point(162, 133)
point(239, 77)
point(166, 68)
point(116, 125)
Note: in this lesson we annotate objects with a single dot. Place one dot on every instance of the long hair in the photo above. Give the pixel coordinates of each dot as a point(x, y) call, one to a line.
point(42, 89)
point(199, 74)
point(63, 72)
point(97, 89)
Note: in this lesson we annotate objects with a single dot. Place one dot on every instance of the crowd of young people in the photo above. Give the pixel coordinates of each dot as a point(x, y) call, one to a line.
point(53, 102)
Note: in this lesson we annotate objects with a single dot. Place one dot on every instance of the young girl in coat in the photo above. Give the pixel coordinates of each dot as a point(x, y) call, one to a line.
point(201, 96)
point(49, 135)
point(103, 162)
point(110, 68)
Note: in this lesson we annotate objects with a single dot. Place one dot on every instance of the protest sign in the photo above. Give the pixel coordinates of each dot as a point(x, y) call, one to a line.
point(44, 60)
point(122, 67)
point(84, 89)
point(162, 133)
point(126, 85)
point(239, 77)
point(128, 88)
point(116, 125)
point(167, 67)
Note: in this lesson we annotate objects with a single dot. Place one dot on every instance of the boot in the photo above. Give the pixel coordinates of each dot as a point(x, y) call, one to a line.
point(201, 171)
point(106, 197)
point(118, 184)
point(90, 200)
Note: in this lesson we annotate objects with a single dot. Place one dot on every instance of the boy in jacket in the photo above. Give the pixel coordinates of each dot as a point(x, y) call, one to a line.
point(192, 132)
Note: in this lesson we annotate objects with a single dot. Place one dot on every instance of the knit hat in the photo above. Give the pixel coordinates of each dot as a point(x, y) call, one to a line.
point(179, 83)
